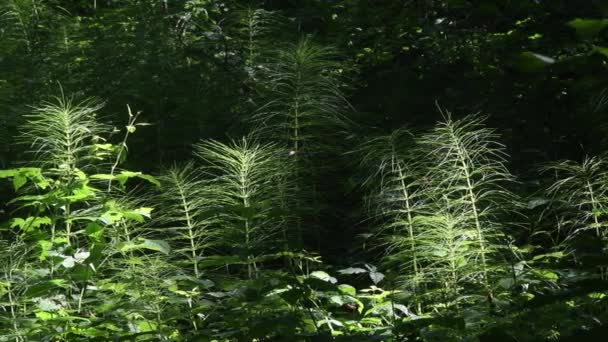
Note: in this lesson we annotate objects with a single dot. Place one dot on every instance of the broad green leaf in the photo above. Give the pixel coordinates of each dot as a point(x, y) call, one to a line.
point(124, 176)
point(157, 245)
point(45, 316)
point(137, 214)
point(347, 289)
point(22, 175)
point(588, 28)
point(94, 231)
point(549, 275)
point(68, 262)
point(376, 277)
point(506, 283)
point(323, 276)
point(555, 255)
point(8, 173)
point(18, 181)
point(30, 223)
point(141, 243)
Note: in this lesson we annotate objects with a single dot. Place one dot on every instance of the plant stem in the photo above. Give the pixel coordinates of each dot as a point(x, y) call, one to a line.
point(190, 227)
point(410, 228)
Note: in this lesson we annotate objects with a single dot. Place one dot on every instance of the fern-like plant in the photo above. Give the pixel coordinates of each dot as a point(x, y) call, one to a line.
point(19, 19)
point(302, 108)
point(303, 97)
point(245, 191)
point(468, 173)
point(580, 196)
point(253, 29)
point(13, 260)
point(63, 133)
point(447, 253)
point(396, 199)
point(185, 204)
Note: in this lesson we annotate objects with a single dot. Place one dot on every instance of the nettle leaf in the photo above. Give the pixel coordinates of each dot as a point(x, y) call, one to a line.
point(94, 231)
point(8, 173)
point(22, 175)
point(19, 181)
point(124, 176)
point(110, 217)
point(82, 193)
point(347, 289)
point(553, 255)
point(323, 276)
point(506, 283)
point(137, 215)
point(49, 304)
point(141, 243)
point(376, 277)
point(81, 256)
point(30, 223)
point(546, 274)
point(389, 309)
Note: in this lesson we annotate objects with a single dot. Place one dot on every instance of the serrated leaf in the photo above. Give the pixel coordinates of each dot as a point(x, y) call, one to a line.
point(154, 245)
point(347, 289)
point(323, 276)
point(376, 277)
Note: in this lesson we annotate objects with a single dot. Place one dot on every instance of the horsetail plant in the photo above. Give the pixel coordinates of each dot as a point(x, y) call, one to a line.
point(396, 200)
point(447, 252)
point(301, 106)
point(304, 95)
point(581, 189)
point(185, 204)
point(62, 134)
point(244, 186)
point(468, 174)
point(580, 196)
point(254, 29)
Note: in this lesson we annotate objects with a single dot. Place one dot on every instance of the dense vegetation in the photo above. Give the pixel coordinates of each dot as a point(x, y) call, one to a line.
point(303, 170)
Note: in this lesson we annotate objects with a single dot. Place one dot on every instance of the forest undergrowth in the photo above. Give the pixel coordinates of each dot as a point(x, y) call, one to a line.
point(242, 238)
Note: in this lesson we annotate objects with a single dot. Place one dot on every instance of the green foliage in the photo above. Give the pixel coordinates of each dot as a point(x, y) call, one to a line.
point(246, 190)
point(65, 134)
point(579, 192)
point(469, 178)
point(186, 212)
point(303, 97)
point(229, 246)
point(398, 202)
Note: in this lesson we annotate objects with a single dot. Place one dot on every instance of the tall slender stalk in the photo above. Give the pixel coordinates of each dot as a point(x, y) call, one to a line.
point(244, 188)
point(467, 166)
point(580, 192)
point(301, 105)
point(184, 203)
point(395, 197)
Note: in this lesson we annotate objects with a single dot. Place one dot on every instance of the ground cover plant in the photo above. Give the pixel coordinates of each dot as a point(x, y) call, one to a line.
point(218, 170)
